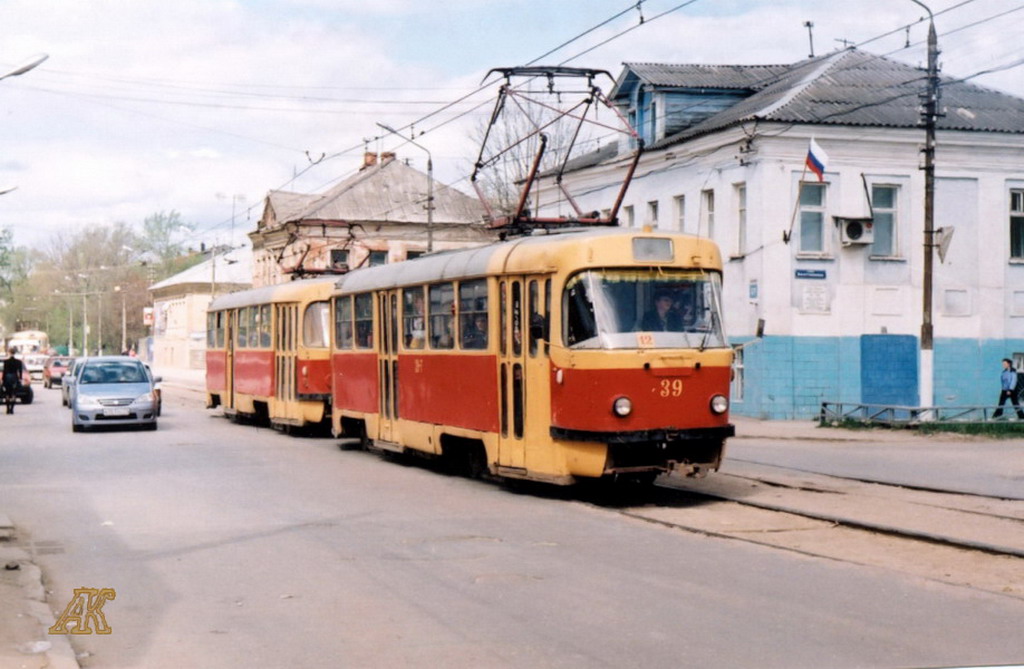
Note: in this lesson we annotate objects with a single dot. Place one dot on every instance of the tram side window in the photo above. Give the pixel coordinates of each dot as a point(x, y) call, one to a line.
point(264, 326)
point(473, 313)
point(243, 327)
point(364, 320)
point(316, 325)
point(211, 335)
point(343, 322)
point(442, 308)
point(254, 327)
point(413, 318)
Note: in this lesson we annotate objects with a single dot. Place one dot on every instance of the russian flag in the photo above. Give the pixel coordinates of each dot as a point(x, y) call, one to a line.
point(816, 160)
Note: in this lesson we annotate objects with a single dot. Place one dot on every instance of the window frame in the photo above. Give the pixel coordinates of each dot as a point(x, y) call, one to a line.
point(1016, 216)
point(820, 210)
point(894, 212)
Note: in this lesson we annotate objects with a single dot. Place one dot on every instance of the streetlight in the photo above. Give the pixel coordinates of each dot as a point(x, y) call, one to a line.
point(124, 320)
point(29, 64)
point(430, 186)
point(929, 114)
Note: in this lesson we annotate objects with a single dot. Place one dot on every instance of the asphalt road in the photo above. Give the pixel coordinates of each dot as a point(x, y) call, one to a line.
point(231, 546)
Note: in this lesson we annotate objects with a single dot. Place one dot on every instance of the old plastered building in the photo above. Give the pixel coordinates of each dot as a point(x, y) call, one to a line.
point(725, 158)
point(377, 216)
point(179, 307)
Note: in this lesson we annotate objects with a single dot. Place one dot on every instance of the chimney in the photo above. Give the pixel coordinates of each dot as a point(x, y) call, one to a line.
point(369, 159)
point(387, 157)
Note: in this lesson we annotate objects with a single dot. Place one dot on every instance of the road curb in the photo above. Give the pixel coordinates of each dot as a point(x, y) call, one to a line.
point(55, 648)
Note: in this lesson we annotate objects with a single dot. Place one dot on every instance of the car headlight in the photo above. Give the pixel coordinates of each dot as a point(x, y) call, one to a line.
point(719, 404)
point(146, 397)
point(622, 406)
point(87, 402)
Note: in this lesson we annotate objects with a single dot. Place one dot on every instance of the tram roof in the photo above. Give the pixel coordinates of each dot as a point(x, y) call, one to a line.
point(480, 261)
point(282, 292)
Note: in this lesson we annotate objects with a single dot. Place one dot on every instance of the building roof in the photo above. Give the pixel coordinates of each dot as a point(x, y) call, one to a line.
point(286, 205)
point(233, 267)
point(855, 88)
point(391, 192)
point(699, 76)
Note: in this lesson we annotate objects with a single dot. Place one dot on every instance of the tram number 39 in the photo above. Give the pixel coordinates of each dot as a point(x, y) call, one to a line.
point(671, 387)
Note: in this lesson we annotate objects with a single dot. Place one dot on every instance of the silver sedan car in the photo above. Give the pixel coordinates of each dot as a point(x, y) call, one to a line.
point(114, 391)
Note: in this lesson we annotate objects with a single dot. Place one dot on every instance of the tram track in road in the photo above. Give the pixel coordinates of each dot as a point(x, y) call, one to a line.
point(960, 539)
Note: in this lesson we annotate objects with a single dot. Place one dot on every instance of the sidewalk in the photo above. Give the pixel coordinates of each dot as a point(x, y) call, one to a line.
point(25, 616)
point(756, 428)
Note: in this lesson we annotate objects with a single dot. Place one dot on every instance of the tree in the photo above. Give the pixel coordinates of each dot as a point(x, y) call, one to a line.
point(87, 278)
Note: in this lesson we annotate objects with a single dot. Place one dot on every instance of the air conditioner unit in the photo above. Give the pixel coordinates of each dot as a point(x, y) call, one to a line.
point(856, 230)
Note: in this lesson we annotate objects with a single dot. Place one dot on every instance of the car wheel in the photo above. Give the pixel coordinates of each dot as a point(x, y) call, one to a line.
point(75, 427)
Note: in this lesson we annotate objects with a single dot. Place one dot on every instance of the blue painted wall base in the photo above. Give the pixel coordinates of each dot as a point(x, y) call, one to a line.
point(789, 377)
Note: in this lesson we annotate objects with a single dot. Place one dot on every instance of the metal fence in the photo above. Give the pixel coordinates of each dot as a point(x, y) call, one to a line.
point(907, 416)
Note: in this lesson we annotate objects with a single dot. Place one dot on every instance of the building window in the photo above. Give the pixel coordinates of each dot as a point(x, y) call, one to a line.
point(707, 214)
point(812, 218)
point(680, 201)
point(736, 390)
point(652, 213)
point(884, 202)
point(378, 258)
point(627, 214)
point(339, 258)
point(1017, 224)
point(741, 219)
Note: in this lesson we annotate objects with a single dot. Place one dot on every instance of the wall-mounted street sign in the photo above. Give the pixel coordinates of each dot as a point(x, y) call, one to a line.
point(810, 274)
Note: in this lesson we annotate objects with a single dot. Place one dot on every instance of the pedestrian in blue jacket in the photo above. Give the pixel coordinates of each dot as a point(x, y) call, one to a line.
point(1008, 389)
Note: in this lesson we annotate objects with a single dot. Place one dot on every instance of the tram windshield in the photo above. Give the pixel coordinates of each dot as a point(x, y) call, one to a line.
point(643, 308)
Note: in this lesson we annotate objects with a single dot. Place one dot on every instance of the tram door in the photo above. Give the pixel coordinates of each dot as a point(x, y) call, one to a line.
point(523, 367)
point(387, 372)
point(230, 327)
point(285, 350)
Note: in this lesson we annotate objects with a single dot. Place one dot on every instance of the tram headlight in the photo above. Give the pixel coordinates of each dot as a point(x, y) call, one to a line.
point(622, 406)
point(719, 404)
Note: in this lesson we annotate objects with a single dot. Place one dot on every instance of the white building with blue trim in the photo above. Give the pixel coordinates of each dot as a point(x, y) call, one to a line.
point(725, 150)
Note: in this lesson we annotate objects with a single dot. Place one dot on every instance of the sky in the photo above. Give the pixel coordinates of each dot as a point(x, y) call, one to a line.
point(204, 106)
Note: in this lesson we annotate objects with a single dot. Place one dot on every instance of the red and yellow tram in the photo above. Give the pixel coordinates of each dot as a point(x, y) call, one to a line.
point(268, 354)
point(577, 355)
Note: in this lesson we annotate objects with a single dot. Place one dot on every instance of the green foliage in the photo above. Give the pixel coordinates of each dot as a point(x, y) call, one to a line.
point(101, 271)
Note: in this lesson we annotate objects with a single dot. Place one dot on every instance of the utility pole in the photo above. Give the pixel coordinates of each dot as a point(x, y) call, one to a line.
point(929, 116)
point(430, 186)
point(810, 36)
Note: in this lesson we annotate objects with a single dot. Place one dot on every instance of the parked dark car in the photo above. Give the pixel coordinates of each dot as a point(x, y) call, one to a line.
point(67, 382)
point(54, 369)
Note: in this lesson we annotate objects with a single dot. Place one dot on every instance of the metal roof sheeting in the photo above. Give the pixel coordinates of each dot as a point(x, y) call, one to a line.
point(856, 88)
point(391, 192)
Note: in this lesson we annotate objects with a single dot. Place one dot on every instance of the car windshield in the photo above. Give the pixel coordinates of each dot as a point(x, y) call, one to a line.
point(113, 372)
point(643, 308)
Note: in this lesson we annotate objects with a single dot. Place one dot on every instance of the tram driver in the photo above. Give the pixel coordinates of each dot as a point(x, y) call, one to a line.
point(663, 316)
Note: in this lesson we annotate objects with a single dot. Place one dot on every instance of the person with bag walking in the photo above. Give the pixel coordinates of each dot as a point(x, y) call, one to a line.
point(1008, 390)
point(12, 372)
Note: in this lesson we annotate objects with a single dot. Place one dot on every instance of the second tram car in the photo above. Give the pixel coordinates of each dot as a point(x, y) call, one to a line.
point(579, 355)
point(268, 354)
